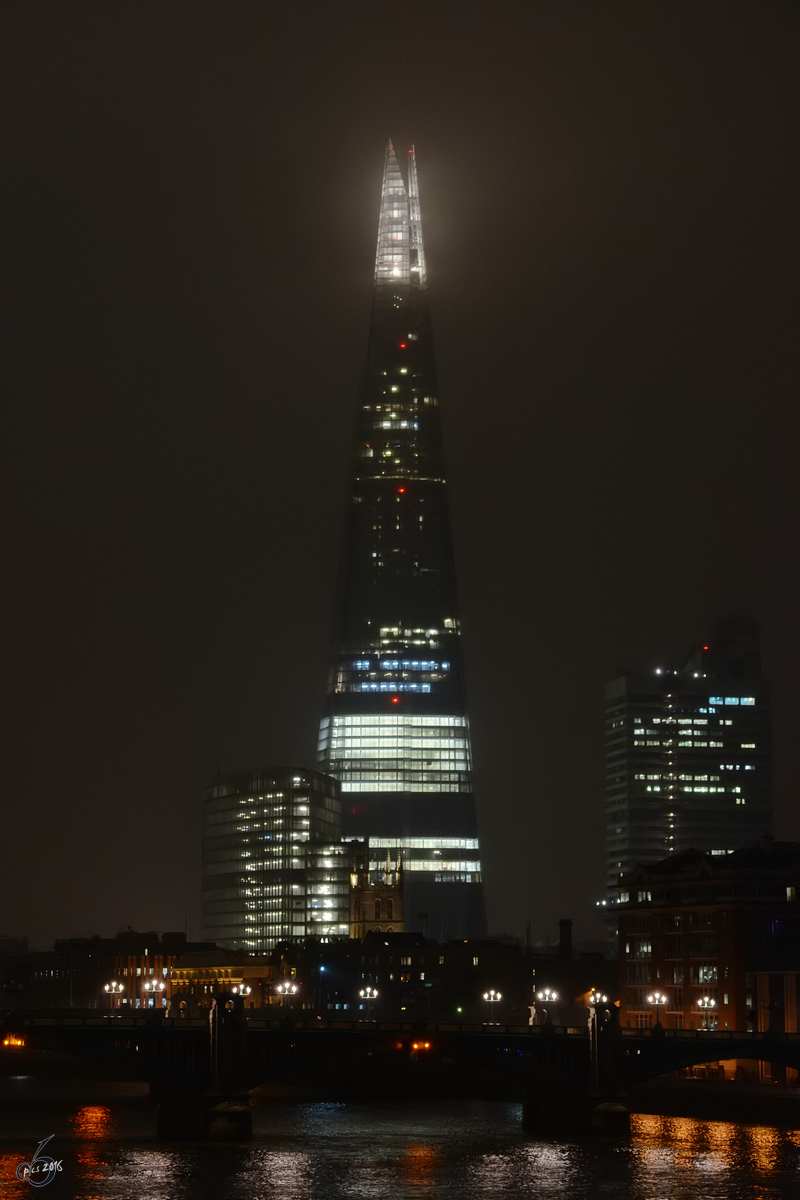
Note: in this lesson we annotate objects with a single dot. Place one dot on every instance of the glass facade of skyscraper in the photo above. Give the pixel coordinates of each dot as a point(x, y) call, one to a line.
point(688, 756)
point(395, 729)
point(274, 866)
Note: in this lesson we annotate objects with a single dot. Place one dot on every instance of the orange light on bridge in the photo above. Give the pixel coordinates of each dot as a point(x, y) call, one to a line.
point(420, 1045)
point(13, 1039)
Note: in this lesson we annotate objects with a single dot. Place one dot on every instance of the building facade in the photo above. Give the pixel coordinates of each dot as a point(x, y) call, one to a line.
point(131, 970)
point(274, 866)
point(376, 896)
point(688, 756)
point(717, 938)
point(395, 727)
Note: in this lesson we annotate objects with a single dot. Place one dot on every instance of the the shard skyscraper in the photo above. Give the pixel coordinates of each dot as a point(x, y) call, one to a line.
point(395, 729)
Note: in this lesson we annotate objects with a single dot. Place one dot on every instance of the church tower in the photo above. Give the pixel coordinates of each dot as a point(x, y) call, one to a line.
point(376, 895)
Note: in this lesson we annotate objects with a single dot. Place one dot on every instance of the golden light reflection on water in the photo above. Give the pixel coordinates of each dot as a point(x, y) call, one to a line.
point(707, 1146)
point(421, 1164)
point(763, 1144)
point(682, 1142)
point(8, 1173)
point(93, 1122)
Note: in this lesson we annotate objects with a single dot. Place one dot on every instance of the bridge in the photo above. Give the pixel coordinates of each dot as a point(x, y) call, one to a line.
point(203, 1068)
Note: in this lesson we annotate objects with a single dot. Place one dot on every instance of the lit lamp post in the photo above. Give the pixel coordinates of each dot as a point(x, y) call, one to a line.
point(546, 996)
point(113, 989)
point(368, 994)
point(491, 997)
point(286, 991)
point(595, 999)
point(704, 1004)
point(241, 990)
point(657, 999)
point(154, 990)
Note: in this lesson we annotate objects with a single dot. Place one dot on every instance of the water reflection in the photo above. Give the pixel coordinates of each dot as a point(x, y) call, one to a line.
point(92, 1122)
point(763, 1145)
point(549, 1166)
point(288, 1173)
point(716, 1158)
point(422, 1165)
point(442, 1152)
point(8, 1174)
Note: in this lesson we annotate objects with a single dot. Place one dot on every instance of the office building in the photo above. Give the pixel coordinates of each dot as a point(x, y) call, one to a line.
point(715, 938)
point(688, 755)
point(274, 866)
point(395, 727)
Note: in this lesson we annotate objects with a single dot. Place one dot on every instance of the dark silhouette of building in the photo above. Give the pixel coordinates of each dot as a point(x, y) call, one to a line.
point(463, 980)
point(717, 937)
point(274, 866)
point(688, 755)
point(132, 970)
point(395, 728)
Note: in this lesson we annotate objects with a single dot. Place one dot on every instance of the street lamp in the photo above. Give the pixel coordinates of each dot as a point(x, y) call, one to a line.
point(546, 996)
point(368, 994)
point(286, 991)
point(596, 998)
point(241, 989)
point(491, 997)
point(154, 989)
point(704, 1004)
point(657, 998)
point(113, 989)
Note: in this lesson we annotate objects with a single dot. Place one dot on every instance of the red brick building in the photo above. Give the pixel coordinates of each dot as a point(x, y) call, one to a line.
point(716, 938)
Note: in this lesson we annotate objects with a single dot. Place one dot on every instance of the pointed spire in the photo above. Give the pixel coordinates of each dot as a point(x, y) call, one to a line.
point(417, 253)
point(392, 258)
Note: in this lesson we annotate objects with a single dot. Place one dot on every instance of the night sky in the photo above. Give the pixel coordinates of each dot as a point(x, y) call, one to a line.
point(189, 211)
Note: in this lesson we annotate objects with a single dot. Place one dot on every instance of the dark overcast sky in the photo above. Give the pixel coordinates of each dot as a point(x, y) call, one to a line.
point(189, 212)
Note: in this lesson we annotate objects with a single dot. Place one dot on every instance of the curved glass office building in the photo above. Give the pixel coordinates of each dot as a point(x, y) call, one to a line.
point(274, 866)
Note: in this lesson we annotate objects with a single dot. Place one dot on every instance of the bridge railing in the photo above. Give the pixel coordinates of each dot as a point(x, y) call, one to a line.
point(118, 1021)
point(710, 1034)
point(104, 1021)
point(257, 1022)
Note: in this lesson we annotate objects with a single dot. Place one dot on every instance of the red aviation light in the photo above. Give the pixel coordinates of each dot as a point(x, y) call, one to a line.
point(395, 699)
point(403, 345)
point(705, 647)
point(401, 490)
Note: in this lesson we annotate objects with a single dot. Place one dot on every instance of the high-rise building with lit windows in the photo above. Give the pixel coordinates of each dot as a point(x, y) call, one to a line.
point(395, 729)
point(274, 866)
point(688, 755)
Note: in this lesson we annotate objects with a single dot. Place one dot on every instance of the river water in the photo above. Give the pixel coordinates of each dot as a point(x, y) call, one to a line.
point(104, 1139)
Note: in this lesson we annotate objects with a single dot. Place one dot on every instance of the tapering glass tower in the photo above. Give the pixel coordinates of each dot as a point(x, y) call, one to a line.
point(395, 729)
